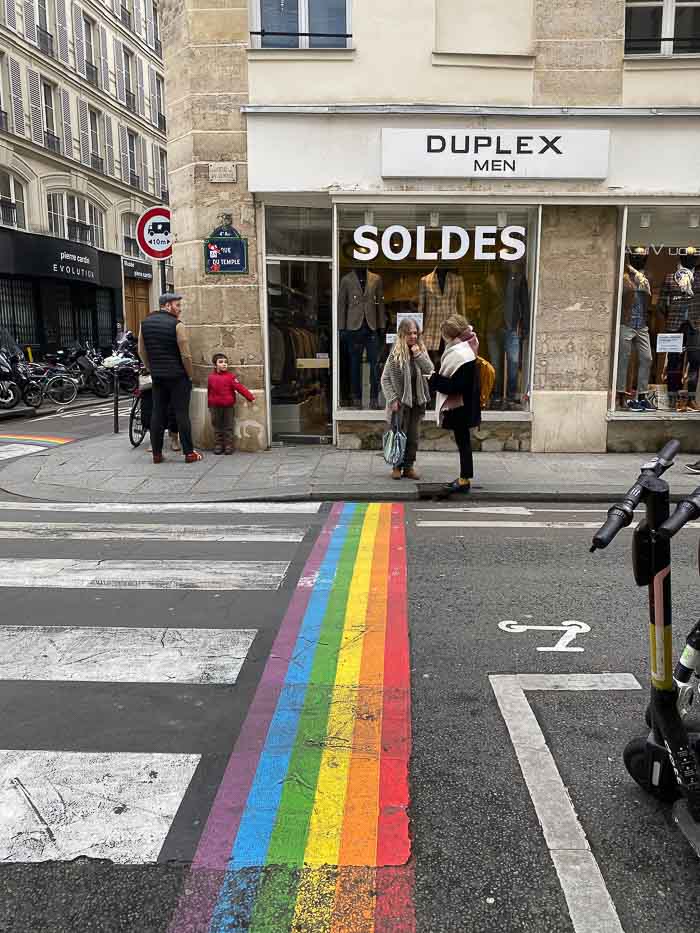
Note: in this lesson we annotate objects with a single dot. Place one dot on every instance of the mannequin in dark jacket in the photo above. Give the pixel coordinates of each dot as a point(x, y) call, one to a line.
point(458, 404)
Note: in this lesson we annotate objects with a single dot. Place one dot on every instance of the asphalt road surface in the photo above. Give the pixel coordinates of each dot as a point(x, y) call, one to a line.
point(139, 654)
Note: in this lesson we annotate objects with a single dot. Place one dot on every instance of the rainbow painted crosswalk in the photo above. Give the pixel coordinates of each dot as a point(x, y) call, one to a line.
point(309, 829)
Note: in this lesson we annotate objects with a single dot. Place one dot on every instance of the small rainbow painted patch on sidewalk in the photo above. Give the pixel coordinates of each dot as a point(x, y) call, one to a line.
point(309, 829)
point(46, 441)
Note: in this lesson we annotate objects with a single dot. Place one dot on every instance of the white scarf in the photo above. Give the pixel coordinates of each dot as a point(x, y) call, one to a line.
point(456, 354)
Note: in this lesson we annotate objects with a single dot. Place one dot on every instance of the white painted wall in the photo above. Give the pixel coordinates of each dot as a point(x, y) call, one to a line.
point(483, 27)
point(657, 83)
point(343, 153)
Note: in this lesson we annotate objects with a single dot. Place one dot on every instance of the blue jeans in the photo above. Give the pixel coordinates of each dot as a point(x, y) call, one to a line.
point(360, 340)
point(508, 342)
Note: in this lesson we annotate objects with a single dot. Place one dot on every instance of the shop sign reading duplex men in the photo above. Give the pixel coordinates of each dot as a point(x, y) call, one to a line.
point(441, 153)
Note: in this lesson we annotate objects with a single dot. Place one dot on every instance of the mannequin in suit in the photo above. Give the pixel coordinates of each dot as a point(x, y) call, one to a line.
point(505, 318)
point(362, 323)
point(440, 294)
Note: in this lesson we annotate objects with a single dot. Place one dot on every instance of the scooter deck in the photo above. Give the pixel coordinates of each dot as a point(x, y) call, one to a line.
point(686, 824)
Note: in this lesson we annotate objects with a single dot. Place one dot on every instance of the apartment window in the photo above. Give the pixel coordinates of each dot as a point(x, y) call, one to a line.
point(75, 218)
point(129, 80)
point(291, 24)
point(43, 28)
point(95, 148)
point(160, 104)
point(90, 64)
point(11, 201)
point(163, 164)
point(126, 12)
point(156, 32)
point(662, 27)
point(51, 140)
point(4, 119)
point(131, 246)
point(134, 179)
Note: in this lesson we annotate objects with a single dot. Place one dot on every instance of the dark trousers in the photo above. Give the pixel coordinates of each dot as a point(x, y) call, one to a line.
point(410, 425)
point(222, 423)
point(147, 413)
point(463, 439)
point(175, 392)
point(360, 340)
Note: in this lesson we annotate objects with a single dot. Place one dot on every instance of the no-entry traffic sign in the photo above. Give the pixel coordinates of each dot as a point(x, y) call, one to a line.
point(153, 233)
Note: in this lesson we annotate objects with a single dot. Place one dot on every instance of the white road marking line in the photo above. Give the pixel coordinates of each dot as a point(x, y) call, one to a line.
point(261, 508)
point(220, 575)
point(123, 654)
point(92, 532)
point(62, 805)
point(512, 510)
point(499, 524)
point(590, 906)
point(569, 629)
point(8, 451)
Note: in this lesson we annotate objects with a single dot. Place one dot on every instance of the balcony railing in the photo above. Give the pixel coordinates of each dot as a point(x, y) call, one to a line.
point(52, 142)
point(131, 101)
point(80, 232)
point(45, 41)
point(92, 74)
point(4, 125)
point(135, 180)
point(165, 195)
point(97, 163)
point(158, 47)
point(126, 16)
point(8, 212)
point(131, 247)
point(162, 123)
point(655, 45)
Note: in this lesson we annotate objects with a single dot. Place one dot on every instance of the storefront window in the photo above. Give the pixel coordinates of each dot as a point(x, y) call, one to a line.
point(429, 263)
point(658, 355)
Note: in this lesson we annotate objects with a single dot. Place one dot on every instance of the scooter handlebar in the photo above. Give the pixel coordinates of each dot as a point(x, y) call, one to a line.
point(619, 517)
point(687, 510)
point(666, 456)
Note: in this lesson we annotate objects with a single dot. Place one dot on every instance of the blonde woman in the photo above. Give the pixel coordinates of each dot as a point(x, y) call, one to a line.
point(405, 388)
point(457, 403)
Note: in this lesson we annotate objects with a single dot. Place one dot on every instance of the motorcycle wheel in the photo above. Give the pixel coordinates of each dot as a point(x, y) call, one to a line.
point(33, 395)
point(100, 385)
point(61, 390)
point(9, 395)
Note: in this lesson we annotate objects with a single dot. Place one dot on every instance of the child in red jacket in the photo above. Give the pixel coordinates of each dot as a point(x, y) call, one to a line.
point(222, 386)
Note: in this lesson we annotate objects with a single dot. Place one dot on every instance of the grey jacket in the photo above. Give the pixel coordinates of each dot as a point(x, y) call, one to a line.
point(396, 382)
point(354, 304)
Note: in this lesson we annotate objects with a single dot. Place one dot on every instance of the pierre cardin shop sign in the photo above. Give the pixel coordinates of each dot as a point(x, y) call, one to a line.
point(49, 257)
point(455, 153)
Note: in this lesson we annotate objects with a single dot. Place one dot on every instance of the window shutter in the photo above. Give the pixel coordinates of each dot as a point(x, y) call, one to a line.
point(29, 20)
point(142, 156)
point(109, 146)
point(138, 17)
point(155, 158)
point(150, 29)
point(104, 61)
point(35, 107)
point(67, 128)
point(17, 104)
point(62, 30)
point(78, 40)
point(154, 94)
point(124, 152)
point(115, 7)
point(10, 14)
point(140, 95)
point(119, 71)
point(84, 126)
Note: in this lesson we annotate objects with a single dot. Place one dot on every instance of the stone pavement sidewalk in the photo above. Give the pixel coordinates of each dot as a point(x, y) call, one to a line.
point(108, 469)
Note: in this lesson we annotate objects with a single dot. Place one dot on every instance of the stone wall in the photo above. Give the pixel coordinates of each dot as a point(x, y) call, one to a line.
point(579, 52)
point(206, 77)
point(636, 436)
point(492, 435)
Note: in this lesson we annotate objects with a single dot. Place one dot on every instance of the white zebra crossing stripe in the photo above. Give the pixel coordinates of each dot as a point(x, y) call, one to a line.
point(122, 654)
point(217, 508)
point(219, 575)
point(589, 526)
point(82, 531)
point(8, 451)
point(63, 805)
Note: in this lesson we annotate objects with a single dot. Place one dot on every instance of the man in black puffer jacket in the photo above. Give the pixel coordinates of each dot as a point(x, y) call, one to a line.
point(165, 352)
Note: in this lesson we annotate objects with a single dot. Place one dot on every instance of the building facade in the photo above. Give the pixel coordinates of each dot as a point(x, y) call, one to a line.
point(82, 155)
point(532, 171)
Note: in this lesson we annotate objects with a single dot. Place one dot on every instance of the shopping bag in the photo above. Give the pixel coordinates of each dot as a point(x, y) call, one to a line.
point(394, 442)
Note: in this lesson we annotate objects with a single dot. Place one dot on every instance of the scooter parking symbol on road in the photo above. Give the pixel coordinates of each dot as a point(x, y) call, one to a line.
point(569, 629)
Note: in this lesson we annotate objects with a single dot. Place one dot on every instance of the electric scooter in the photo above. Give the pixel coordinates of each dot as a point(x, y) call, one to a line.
point(665, 763)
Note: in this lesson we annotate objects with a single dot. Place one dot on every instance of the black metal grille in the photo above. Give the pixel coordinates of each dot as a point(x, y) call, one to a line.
point(18, 310)
point(131, 247)
point(80, 232)
point(131, 101)
point(52, 142)
point(8, 212)
point(45, 41)
point(106, 322)
point(651, 45)
point(162, 123)
point(135, 180)
point(97, 163)
point(92, 74)
point(311, 35)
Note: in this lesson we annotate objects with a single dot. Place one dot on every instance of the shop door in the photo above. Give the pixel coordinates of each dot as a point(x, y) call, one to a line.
point(136, 299)
point(299, 327)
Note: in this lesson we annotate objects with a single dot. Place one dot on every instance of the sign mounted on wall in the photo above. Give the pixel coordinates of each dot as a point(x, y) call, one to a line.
point(226, 251)
point(527, 153)
point(153, 233)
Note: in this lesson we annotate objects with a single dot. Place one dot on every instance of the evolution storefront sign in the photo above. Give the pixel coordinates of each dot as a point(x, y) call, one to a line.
point(453, 153)
point(398, 242)
point(49, 257)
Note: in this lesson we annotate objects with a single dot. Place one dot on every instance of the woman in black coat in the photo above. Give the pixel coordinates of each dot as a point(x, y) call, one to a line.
point(458, 389)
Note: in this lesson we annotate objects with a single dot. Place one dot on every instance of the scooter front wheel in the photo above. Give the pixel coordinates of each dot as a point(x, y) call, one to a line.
point(640, 762)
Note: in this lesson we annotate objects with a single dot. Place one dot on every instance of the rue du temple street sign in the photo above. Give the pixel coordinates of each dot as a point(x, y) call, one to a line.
point(226, 251)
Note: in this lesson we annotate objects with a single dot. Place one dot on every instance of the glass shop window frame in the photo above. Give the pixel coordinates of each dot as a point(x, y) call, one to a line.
point(685, 215)
point(305, 38)
point(667, 40)
point(532, 266)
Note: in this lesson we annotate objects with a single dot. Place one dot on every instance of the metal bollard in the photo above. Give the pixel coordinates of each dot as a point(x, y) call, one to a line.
point(116, 401)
